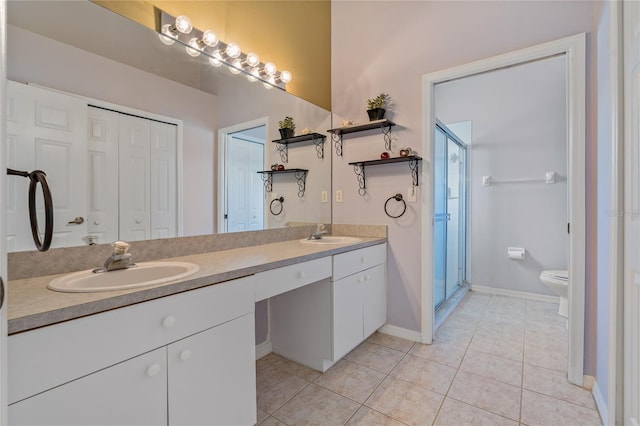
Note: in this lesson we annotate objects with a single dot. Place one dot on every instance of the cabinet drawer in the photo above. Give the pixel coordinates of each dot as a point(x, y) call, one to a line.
point(281, 280)
point(358, 260)
point(43, 358)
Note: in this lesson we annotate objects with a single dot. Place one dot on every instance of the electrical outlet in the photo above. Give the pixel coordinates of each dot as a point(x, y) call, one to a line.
point(325, 197)
point(339, 196)
point(412, 195)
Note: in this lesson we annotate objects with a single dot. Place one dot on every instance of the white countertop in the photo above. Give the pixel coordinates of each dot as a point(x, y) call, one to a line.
point(32, 305)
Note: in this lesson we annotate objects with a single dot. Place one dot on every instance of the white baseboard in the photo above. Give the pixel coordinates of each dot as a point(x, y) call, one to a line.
point(263, 349)
point(515, 293)
point(403, 333)
point(603, 410)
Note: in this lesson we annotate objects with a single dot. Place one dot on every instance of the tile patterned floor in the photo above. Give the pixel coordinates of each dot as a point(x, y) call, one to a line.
point(495, 361)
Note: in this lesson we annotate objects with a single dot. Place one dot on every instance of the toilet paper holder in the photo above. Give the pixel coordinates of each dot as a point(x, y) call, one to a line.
point(517, 253)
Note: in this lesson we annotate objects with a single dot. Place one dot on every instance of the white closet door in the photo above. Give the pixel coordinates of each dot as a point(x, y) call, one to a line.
point(46, 130)
point(245, 189)
point(135, 196)
point(163, 180)
point(102, 202)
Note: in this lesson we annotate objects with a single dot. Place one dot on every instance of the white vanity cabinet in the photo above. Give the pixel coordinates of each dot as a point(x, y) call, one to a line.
point(318, 324)
point(359, 297)
point(186, 356)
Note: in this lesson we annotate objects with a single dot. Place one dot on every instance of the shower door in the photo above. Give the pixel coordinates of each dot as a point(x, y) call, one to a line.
point(450, 184)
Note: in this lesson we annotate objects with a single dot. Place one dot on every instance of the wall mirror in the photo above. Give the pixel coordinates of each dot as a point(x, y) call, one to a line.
point(220, 121)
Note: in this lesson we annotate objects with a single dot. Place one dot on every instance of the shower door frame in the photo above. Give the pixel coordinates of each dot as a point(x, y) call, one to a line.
point(463, 196)
point(573, 48)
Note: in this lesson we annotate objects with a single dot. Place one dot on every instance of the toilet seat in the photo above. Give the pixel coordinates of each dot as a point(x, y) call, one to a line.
point(560, 277)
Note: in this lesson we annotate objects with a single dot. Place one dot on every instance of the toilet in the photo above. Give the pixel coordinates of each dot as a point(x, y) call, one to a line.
point(558, 281)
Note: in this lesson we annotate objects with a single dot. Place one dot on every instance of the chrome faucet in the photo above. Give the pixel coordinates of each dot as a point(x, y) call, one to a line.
point(119, 259)
point(318, 233)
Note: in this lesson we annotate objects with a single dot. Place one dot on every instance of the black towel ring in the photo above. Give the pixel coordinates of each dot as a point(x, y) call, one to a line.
point(38, 177)
point(397, 197)
point(280, 202)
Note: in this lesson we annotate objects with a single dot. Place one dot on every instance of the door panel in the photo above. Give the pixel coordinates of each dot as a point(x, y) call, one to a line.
point(163, 180)
point(47, 131)
point(245, 190)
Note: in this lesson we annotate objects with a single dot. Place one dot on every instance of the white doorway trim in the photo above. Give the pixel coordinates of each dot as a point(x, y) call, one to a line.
point(574, 48)
point(221, 198)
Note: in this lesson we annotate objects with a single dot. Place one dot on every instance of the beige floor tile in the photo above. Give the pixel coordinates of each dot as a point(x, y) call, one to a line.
point(453, 334)
point(262, 415)
point(555, 384)
point(316, 406)
point(546, 357)
point(392, 342)
point(297, 369)
point(502, 330)
point(425, 373)
point(274, 387)
point(271, 421)
point(351, 380)
point(376, 357)
point(367, 417)
point(266, 361)
point(488, 394)
point(493, 367)
point(541, 410)
point(443, 353)
point(456, 413)
point(405, 402)
point(494, 345)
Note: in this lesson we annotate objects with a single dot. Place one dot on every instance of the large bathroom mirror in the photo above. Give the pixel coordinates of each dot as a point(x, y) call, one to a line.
point(223, 124)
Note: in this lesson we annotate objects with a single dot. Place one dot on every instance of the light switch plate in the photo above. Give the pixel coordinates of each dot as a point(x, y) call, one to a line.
point(412, 195)
point(339, 196)
point(325, 197)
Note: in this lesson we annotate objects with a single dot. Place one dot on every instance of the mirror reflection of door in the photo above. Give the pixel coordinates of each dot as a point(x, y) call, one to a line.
point(244, 187)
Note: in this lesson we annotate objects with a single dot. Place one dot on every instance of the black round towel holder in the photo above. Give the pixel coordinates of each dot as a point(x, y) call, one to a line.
point(397, 197)
point(280, 203)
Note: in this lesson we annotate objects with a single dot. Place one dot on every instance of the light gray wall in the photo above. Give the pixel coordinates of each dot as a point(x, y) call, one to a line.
point(604, 199)
point(519, 131)
point(397, 43)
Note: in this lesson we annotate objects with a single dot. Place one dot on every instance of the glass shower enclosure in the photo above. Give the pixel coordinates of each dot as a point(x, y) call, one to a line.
point(450, 206)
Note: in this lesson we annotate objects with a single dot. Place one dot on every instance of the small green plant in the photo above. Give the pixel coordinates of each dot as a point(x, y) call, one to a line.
point(379, 101)
point(287, 123)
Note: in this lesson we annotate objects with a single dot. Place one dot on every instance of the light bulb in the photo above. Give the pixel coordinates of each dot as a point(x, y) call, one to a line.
point(216, 61)
point(254, 74)
point(270, 68)
point(233, 50)
point(271, 81)
point(166, 37)
point(183, 24)
point(253, 59)
point(194, 47)
point(236, 66)
point(209, 38)
point(285, 77)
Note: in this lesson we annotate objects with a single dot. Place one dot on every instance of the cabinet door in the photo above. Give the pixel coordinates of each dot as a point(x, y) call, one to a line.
point(212, 377)
point(374, 296)
point(347, 315)
point(130, 393)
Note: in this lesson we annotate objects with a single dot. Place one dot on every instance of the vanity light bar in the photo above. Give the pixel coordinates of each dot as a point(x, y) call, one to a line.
point(197, 42)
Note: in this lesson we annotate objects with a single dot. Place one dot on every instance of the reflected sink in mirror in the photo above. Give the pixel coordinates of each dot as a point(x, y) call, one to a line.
point(333, 240)
point(144, 274)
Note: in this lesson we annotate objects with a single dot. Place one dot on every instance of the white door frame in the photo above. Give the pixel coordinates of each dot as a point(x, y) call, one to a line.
point(574, 48)
point(3, 219)
point(221, 198)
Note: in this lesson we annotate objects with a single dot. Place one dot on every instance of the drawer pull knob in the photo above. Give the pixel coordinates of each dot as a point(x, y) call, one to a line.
point(363, 259)
point(169, 321)
point(185, 355)
point(301, 274)
point(366, 277)
point(153, 370)
point(359, 279)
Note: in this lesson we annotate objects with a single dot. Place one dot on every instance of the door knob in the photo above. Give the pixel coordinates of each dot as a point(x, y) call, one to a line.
point(77, 221)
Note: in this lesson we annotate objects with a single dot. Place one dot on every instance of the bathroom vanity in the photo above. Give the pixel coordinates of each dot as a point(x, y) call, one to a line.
point(188, 357)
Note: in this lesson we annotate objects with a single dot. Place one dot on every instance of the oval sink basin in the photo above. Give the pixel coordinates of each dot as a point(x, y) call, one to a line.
point(333, 240)
point(144, 274)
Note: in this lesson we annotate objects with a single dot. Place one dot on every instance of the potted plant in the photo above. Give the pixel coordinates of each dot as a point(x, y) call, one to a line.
point(375, 106)
point(287, 128)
